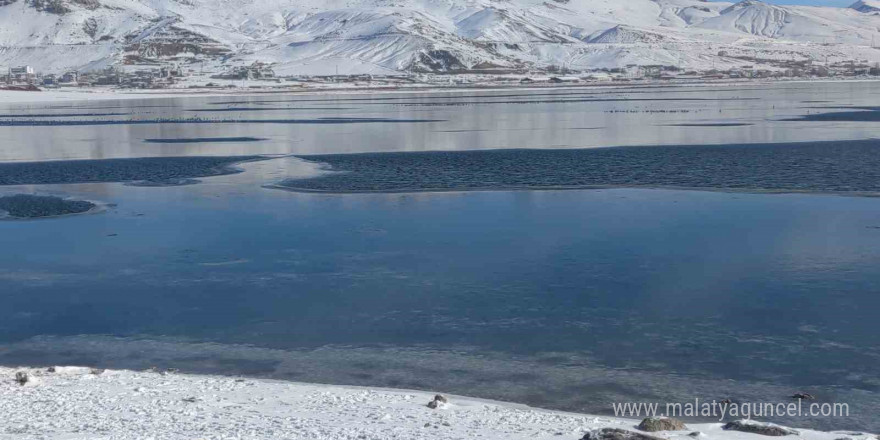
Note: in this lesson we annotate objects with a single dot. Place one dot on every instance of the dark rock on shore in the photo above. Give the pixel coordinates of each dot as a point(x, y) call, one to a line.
point(22, 377)
point(20, 88)
point(759, 428)
point(654, 424)
point(617, 434)
point(438, 400)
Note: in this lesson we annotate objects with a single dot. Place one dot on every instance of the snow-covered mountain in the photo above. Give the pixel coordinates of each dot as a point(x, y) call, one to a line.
point(867, 6)
point(356, 36)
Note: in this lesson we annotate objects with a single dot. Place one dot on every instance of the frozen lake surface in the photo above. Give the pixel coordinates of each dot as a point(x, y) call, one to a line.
point(562, 299)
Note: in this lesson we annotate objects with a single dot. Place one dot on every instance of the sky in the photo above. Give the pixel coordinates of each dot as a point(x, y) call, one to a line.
point(817, 2)
point(841, 3)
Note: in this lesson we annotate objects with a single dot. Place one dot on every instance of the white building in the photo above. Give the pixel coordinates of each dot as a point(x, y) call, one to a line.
point(22, 74)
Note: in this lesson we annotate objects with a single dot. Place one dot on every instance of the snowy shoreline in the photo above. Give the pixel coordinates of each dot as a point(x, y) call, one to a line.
point(98, 93)
point(81, 403)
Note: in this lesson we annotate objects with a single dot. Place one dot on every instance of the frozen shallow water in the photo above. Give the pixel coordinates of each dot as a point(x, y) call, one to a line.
point(563, 299)
point(843, 167)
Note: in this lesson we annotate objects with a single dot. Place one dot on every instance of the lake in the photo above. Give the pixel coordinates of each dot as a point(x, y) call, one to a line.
point(469, 242)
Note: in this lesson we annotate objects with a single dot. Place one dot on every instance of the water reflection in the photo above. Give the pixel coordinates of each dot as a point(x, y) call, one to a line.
point(663, 116)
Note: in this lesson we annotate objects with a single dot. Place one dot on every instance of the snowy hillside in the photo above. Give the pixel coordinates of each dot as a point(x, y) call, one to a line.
point(373, 36)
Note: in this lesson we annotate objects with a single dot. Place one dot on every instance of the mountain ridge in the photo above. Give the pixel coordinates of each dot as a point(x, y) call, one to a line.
point(385, 36)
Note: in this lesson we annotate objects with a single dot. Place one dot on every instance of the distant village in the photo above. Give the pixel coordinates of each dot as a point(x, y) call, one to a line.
point(152, 78)
point(171, 76)
point(174, 76)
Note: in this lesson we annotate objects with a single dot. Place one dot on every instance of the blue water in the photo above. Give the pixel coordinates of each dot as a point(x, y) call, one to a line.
point(562, 299)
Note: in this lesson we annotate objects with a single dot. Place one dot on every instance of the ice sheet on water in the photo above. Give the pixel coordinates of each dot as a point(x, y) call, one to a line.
point(851, 167)
point(164, 170)
point(26, 206)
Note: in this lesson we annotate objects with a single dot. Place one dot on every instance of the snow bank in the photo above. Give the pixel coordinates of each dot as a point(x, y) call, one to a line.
point(80, 403)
